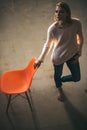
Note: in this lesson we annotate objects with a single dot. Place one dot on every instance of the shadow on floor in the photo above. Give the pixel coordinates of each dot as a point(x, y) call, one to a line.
point(12, 120)
point(79, 121)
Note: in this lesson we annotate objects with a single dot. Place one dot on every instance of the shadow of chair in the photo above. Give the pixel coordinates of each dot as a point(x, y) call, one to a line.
point(16, 82)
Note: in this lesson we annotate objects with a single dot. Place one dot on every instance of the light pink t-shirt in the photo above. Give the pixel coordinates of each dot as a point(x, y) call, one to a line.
point(66, 45)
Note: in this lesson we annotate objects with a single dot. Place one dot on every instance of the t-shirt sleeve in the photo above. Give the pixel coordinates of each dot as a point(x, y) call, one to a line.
point(50, 34)
point(79, 29)
point(47, 45)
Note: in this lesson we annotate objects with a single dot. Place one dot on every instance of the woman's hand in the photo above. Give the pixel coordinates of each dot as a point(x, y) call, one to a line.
point(37, 63)
point(76, 58)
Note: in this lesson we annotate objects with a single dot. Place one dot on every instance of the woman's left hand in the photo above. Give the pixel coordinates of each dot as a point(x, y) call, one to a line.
point(76, 58)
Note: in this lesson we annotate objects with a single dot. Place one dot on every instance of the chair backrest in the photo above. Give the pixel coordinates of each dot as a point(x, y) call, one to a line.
point(0, 82)
point(30, 70)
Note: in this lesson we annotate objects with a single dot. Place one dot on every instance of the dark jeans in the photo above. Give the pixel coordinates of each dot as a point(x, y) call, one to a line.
point(74, 76)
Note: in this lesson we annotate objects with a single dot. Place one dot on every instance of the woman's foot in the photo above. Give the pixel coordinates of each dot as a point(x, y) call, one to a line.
point(60, 95)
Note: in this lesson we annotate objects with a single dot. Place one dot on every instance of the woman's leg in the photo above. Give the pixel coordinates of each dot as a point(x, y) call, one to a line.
point(57, 75)
point(57, 78)
point(75, 72)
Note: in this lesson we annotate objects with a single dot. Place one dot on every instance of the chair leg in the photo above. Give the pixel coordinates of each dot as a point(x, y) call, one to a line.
point(29, 90)
point(28, 100)
point(30, 96)
point(9, 100)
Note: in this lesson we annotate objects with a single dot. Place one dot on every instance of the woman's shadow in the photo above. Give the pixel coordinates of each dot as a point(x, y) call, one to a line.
point(79, 121)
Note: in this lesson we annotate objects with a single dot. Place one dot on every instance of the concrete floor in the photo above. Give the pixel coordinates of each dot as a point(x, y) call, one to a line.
point(23, 27)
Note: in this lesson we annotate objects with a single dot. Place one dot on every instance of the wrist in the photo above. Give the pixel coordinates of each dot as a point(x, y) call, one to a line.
point(40, 61)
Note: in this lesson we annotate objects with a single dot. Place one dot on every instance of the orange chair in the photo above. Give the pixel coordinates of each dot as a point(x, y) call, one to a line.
point(0, 82)
point(17, 81)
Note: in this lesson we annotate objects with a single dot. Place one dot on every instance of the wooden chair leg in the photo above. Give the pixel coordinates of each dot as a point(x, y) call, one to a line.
point(28, 100)
point(9, 100)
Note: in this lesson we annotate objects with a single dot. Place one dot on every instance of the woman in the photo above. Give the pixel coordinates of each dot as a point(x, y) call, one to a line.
point(66, 36)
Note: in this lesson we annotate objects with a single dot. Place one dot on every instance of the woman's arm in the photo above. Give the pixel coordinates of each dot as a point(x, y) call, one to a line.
point(46, 47)
point(80, 39)
point(44, 52)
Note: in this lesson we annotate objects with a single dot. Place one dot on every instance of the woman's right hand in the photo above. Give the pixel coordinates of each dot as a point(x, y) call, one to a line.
point(37, 63)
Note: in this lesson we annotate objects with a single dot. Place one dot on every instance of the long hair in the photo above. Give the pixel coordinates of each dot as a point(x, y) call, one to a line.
point(66, 7)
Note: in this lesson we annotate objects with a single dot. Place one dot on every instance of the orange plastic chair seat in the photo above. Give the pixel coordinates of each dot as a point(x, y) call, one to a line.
point(17, 81)
point(12, 80)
